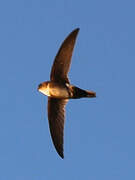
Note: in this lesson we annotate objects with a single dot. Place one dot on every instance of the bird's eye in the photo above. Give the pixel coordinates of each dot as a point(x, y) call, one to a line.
point(40, 85)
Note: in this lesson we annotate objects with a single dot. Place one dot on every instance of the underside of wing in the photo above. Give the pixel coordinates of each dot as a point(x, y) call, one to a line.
point(56, 117)
point(62, 60)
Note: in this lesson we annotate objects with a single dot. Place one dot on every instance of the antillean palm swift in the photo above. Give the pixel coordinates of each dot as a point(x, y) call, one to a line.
point(59, 91)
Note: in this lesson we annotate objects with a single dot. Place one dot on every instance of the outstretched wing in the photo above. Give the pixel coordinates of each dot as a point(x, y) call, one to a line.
point(56, 117)
point(62, 60)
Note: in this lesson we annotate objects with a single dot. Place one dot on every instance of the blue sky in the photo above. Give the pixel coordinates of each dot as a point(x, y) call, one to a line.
point(99, 133)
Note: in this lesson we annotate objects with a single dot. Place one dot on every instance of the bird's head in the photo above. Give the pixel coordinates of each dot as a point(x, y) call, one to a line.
point(43, 88)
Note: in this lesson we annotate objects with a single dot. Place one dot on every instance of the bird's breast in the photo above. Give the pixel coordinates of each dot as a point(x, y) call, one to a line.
point(58, 91)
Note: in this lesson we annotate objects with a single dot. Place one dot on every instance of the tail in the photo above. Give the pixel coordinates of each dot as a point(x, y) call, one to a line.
point(80, 93)
point(90, 94)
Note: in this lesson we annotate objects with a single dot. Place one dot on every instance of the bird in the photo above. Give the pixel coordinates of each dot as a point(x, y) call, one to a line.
point(60, 91)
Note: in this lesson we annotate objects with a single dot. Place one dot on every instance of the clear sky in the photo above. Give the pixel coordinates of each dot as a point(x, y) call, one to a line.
point(99, 133)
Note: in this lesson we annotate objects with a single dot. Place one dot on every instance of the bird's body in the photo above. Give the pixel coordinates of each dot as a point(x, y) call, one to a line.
point(63, 91)
point(59, 90)
point(55, 90)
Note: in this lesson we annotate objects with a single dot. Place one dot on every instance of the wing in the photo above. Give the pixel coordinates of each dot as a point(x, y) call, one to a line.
point(62, 60)
point(56, 117)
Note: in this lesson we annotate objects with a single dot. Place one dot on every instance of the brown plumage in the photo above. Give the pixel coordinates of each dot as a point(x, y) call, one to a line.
point(56, 117)
point(59, 90)
point(62, 60)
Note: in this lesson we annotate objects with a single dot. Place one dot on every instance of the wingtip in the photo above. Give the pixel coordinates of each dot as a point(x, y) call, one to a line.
point(76, 30)
point(61, 155)
point(59, 151)
point(74, 33)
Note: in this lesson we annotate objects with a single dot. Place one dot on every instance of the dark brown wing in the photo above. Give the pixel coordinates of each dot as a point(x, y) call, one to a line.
point(56, 117)
point(62, 60)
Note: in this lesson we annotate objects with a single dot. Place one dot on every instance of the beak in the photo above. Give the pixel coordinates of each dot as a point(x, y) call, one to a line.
point(39, 86)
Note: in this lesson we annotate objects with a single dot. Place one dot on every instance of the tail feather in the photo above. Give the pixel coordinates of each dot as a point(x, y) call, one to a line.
point(80, 93)
point(90, 94)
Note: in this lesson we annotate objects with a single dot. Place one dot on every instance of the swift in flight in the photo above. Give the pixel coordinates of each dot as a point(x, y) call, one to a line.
point(59, 91)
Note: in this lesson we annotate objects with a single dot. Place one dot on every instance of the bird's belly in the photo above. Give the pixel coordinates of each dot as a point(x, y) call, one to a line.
point(58, 92)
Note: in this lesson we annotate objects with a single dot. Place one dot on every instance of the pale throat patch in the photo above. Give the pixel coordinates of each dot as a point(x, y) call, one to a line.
point(45, 91)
